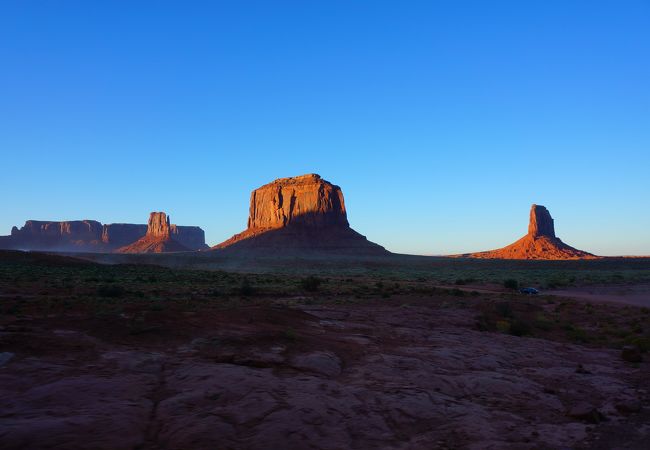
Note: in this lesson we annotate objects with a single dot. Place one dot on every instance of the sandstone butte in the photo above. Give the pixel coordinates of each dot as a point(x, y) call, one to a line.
point(539, 243)
point(90, 236)
point(296, 214)
point(158, 238)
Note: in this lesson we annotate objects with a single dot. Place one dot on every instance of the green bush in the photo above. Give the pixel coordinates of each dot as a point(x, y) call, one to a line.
point(511, 283)
point(311, 283)
point(113, 291)
point(503, 309)
point(246, 288)
point(519, 328)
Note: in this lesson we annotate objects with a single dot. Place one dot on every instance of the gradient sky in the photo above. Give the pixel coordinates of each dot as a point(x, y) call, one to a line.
point(441, 120)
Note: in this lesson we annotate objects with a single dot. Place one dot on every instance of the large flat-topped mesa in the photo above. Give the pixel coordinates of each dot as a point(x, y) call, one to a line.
point(539, 243)
point(304, 200)
point(92, 236)
point(299, 214)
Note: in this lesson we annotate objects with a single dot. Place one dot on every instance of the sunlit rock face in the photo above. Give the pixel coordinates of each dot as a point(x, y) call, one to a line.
point(304, 200)
point(539, 243)
point(296, 214)
point(158, 238)
point(158, 225)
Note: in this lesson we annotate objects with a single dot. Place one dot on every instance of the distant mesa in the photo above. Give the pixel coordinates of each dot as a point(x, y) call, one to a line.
point(91, 236)
point(539, 243)
point(299, 214)
point(158, 239)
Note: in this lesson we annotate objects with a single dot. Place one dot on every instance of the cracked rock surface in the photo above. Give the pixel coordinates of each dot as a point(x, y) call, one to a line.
point(312, 377)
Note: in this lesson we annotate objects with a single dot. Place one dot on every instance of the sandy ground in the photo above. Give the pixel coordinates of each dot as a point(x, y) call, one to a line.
point(638, 295)
point(312, 377)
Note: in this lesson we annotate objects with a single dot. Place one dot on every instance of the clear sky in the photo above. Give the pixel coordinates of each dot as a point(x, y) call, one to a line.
point(441, 120)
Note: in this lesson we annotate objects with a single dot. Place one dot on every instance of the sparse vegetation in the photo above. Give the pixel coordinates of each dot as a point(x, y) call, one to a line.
point(311, 283)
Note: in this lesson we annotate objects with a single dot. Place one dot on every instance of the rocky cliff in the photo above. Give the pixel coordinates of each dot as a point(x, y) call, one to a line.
point(541, 222)
point(76, 235)
point(305, 200)
point(158, 238)
point(539, 243)
point(299, 214)
point(92, 236)
point(117, 235)
point(191, 237)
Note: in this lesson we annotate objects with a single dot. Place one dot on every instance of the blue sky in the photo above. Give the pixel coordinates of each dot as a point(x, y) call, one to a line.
point(442, 121)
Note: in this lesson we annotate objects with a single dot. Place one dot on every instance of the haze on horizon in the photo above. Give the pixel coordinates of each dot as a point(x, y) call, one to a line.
point(441, 123)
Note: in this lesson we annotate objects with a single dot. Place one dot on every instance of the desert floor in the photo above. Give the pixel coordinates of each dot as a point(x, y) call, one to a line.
point(410, 353)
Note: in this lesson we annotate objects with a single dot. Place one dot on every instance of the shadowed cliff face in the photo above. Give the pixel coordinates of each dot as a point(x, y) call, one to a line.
point(539, 243)
point(541, 222)
point(92, 236)
point(120, 234)
point(299, 214)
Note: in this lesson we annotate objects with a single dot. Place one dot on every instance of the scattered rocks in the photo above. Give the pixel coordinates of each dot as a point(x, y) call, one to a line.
point(585, 412)
point(324, 363)
point(5, 357)
point(628, 406)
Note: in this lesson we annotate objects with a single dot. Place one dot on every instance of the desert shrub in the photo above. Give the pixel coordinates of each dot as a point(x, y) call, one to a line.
point(642, 343)
point(246, 288)
point(503, 326)
point(459, 282)
point(290, 334)
point(519, 328)
point(457, 292)
point(542, 322)
point(503, 309)
point(511, 283)
point(577, 334)
point(113, 291)
point(311, 283)
point(482, 322)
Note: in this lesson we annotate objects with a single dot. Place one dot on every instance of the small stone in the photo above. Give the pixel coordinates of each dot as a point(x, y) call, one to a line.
point(585, 412)
point(628, 406)
point(5, 357)
point(631, 353)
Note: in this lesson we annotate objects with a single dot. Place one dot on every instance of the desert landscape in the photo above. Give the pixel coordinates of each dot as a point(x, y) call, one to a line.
point(300, 333)
point(324, 225)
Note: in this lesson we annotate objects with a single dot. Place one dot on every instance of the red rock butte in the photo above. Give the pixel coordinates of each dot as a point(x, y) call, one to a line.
point(158, 238)
point(303, 213)
point(539, 243)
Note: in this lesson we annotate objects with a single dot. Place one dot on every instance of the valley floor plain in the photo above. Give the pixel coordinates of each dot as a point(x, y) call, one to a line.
point(397, 352)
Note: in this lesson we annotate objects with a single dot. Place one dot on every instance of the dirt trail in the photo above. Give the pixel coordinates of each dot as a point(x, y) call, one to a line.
point(638, 295)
